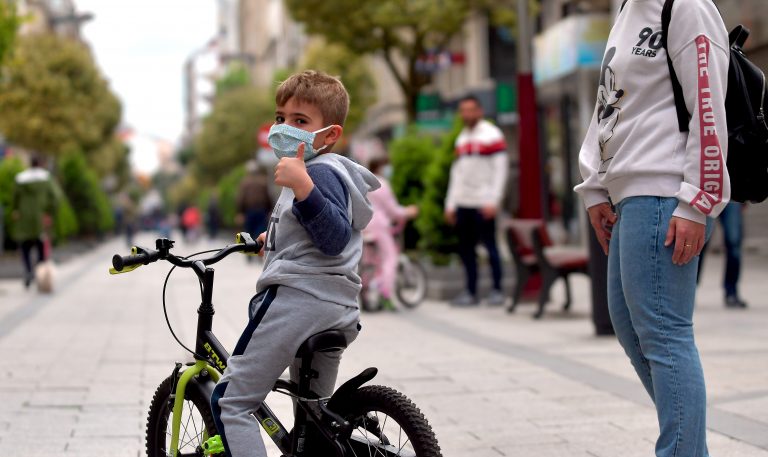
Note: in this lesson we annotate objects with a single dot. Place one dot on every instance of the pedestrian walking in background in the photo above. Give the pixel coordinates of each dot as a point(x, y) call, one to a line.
point(34, 205)
point(129, 212)
point(475, 190)
point(253, 200)
point(732, 222)
point(664, 184)
point(387, 213)
point(191, 220)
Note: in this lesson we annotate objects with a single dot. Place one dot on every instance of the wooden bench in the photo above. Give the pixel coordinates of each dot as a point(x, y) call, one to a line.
point(534, 253)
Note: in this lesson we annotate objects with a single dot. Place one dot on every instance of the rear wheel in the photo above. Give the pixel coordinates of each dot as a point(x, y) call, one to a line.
point(197, 423)
point(386, 423)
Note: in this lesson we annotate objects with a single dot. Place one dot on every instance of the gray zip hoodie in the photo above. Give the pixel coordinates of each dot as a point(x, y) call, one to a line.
point(315, 245)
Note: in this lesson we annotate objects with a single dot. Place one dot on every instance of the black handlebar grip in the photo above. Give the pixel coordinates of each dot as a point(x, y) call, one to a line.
point(120, 262)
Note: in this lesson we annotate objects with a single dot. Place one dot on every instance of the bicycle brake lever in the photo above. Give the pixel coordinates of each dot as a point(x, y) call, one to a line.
point(112, 270)
point(340, 425)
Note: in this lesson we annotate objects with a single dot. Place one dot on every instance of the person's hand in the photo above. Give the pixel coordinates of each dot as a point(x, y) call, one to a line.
point(411, 211)
point(602, 218)
point(450, 216)
point(292, 172)
point(489, 212)
point(688, 237)
point(239, 219)
point(262, 238)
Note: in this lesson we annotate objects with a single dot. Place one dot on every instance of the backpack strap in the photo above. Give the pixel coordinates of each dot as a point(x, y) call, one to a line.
point(683, 117)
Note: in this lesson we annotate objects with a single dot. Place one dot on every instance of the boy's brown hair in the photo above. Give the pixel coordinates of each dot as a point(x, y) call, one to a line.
point(325, 92)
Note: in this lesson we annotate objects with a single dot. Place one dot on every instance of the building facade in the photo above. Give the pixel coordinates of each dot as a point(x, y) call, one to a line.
point(52, 16)
point(270, 38)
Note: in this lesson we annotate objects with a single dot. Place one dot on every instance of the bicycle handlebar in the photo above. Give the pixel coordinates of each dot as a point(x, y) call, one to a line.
point(143, 256)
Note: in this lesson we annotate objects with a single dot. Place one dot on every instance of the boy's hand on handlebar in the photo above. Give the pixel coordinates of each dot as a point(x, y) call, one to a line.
point(262, 239)
point(411, 211)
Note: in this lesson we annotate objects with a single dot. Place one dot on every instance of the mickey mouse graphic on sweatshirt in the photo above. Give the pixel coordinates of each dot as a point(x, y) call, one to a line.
point(608, 111)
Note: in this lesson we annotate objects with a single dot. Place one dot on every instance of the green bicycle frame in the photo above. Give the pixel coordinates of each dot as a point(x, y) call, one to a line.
point(178, 403)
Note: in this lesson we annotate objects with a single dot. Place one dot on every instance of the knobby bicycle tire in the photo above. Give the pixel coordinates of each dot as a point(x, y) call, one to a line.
point(192, 433)
point(367, 402)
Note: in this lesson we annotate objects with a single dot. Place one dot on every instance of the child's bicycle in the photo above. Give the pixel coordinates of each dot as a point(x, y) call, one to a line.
point(410, 282)
point(354, 421)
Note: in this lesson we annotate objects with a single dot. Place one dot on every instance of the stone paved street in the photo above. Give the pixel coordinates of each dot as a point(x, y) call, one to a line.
point(81, 365)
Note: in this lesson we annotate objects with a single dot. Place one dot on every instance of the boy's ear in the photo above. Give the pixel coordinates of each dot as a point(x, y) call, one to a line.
point(334, 134)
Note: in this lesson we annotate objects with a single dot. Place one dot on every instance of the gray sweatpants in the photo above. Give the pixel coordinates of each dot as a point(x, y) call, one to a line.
point(281, 319)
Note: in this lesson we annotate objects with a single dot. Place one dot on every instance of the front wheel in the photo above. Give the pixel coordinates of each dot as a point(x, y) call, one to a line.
point(386, 423)
point(411, 286)
point(197, 423)
point(370, 299)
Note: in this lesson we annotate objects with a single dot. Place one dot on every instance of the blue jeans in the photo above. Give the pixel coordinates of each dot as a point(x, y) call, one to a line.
point(651, 303)
point(733, 232)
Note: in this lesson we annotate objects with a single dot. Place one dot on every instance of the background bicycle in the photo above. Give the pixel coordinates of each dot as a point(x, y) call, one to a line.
point(410, 282)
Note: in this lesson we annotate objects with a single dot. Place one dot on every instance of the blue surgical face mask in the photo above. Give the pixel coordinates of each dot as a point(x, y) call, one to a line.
point(386, 171)
point(285, 140)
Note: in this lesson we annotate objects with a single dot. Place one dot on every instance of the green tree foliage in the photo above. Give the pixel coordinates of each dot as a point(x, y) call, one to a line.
point(237, 75)
point(81, 186)
point(9, 168)
point(410, 155)
point(65, 221)
point(228, 136)
point(54, 100)
point(352, 69)
point(228, 187)
point(396, 29)
point(435, 235)
point(9, 25)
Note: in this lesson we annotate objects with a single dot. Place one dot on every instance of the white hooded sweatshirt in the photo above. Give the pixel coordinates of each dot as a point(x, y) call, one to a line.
point(633, 146)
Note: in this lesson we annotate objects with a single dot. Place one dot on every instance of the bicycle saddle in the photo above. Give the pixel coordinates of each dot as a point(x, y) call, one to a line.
point(327, 341)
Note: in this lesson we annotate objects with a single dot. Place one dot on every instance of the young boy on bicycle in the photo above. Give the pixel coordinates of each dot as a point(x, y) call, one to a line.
point(312, 246)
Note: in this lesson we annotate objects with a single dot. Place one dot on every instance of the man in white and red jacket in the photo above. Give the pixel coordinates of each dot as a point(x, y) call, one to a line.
point(662, 185)
point(475, 190)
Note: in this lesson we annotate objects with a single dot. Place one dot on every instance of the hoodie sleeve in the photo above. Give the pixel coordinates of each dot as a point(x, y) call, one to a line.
point(324, 212)
point(591, 191)
point(698, 46)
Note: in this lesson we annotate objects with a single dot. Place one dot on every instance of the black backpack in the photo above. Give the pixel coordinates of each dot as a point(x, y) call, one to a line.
point(744, 102)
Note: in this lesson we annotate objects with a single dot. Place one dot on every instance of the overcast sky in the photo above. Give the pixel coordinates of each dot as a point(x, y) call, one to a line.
point(140, 46)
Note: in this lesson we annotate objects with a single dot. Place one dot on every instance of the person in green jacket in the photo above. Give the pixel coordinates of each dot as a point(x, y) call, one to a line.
point(34, 204)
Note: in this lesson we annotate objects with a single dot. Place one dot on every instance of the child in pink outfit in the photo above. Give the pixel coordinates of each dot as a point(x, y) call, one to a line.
point(386, 213)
